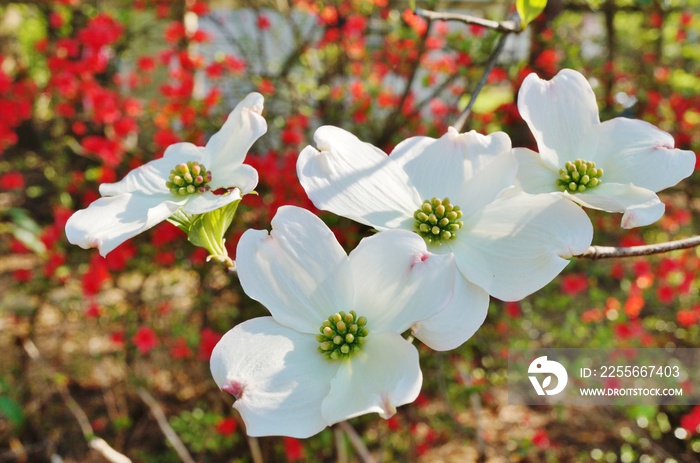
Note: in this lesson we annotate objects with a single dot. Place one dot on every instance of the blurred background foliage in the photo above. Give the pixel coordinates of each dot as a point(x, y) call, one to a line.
point(92, 89)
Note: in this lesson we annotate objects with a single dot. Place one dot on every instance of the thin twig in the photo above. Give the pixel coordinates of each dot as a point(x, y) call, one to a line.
point(462, 120)
point(502, 26)
point(342, 452)
point(394, 120)
point(168, 431)
point(95, 443)
point(357, 442)
point(255, 452)
point(609, 252)
point(475, 401)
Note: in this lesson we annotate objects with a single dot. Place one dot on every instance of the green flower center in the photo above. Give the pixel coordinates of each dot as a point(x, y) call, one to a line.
point(437, 220)
point(188, 178)
point(342, 335)
point(578, 176)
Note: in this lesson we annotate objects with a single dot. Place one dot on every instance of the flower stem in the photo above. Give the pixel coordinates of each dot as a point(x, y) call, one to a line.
point(609, 252)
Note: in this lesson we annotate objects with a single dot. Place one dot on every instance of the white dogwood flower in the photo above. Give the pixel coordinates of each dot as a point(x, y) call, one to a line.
point(332, 348)
point(456, 193)
point(188, 178)
point(614, 166)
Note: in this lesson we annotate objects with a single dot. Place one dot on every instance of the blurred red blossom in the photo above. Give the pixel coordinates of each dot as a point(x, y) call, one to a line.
point(145, 339)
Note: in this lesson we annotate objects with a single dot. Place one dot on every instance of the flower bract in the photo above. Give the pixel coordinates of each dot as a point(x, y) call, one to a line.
point(332, 348)
point(456, 193)
point(615, 166)
point(188, 179)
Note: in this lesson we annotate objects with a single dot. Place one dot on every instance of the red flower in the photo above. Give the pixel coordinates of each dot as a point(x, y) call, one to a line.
point(145, 339)
point(226, 426)
point(294, 449)
point(574, 284)
point(117, 338)
point(541, 439)
point(691, 421)
point(207, 341)
point(93, 310)
point(687, 318)
point(146, 63)
point(22, 275)
point(12, 181)
point(266, 87)
point(180, 350)
point(199, 8)
point(665, 294)
point(633, 305)
point(175, 31)
point(263, 22)
point(96, 275)
point(513, 309)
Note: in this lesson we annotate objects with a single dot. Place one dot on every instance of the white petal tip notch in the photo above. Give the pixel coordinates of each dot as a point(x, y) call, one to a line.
point(254, 102)
point(642, 215)
point(388, 408)
point(235, 388)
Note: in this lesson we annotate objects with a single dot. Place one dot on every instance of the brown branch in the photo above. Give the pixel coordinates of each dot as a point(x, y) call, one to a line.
point(357, 442)
point(609, 252)
point(503, 26)
point(462, 120)
point(168, 431)
point(255, 451)
point(393, 120)
point(94, 442)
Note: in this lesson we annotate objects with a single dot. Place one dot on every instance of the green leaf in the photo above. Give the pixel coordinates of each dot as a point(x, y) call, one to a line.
point(12, 410)
point(207, 231)
point(26, 230)
point(529, 10)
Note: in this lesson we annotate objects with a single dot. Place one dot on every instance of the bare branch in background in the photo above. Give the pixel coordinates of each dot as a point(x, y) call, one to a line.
point(162, 420)
point(462, 120)
point(503, 26)
point(95, 443)
point(609, 252)
point(357, 442)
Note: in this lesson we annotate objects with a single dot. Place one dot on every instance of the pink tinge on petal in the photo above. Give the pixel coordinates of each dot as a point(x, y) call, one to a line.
point(235, 388)
point(419, 257)
point(388, 408)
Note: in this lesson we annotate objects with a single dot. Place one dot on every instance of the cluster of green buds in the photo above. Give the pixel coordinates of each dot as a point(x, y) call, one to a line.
point(437, 220)
point(578, 176)
point(188, 178)
point(342, 335)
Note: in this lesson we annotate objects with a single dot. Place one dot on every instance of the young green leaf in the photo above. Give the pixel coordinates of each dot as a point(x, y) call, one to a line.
point(529, 10)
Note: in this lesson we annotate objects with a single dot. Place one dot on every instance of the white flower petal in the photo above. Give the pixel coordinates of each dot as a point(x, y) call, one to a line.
point(356, 180)
point(639, 206)
point(277, 375)
point(227, 148)
point(471, 169)
point(561, 114)
point(298, 271)
point(458, 322)
point(110, 221)
point(384, 375)
point(152, 176)
point(633, 151)
point(398, 282)
point(245, 178)
point(520, 242)
point(199, 203)
point(534, 174)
